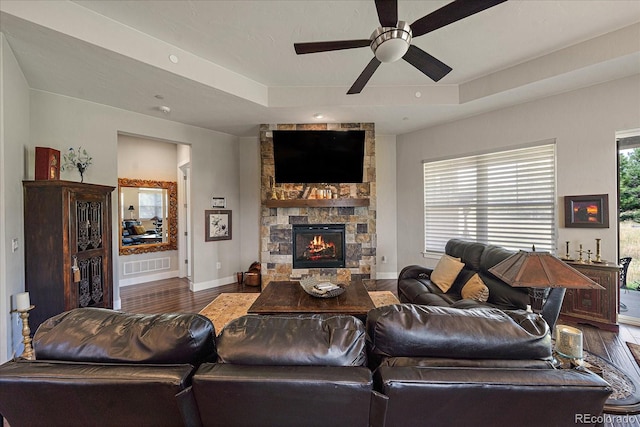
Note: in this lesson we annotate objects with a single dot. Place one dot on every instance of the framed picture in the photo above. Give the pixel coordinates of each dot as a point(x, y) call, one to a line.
point(217, 225)
point(219, 202)
point(586, 211)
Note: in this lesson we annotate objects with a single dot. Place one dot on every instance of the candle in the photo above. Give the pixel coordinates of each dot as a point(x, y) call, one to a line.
point(22, 301)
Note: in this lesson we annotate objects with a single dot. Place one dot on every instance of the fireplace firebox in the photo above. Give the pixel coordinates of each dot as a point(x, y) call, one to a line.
point(318, 246)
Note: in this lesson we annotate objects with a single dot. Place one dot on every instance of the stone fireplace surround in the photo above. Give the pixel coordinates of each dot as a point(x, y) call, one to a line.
point(355, 207)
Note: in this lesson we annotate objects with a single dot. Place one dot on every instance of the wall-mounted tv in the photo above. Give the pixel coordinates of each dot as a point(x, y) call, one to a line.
point(318, 156)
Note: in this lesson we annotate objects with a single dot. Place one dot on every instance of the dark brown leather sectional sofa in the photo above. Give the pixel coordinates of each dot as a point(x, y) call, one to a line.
point(409, 366)
point(415, 285)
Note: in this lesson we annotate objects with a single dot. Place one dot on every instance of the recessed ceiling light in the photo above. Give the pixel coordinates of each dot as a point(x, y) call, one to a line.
point(418, 94)
point(159, 97)
point(318, 116)
point(173, 58)
point(164, 109)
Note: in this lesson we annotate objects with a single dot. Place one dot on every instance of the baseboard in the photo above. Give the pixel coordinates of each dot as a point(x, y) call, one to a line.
point(201, 286)
point(387, 276)
point(148, 278)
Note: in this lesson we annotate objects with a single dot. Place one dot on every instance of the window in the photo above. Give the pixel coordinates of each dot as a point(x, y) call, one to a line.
point(506, 198)
point(150, 203)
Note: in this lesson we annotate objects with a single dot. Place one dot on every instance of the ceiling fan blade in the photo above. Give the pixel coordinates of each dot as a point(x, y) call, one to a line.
point(450, 13)
point(314, 47)
point(387, 12)
point(432, 67)
point(364, 77)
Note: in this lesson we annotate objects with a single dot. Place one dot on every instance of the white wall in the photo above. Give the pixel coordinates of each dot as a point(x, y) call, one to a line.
point(59, 122)
point(386, 210)
point(249, 230)
point(14, 139)
point(583, 122)
point(142, 158)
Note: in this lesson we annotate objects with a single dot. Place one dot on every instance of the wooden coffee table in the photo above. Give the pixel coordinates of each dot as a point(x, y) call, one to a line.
point(289, 297)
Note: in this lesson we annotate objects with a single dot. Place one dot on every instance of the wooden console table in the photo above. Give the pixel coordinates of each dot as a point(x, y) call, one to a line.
point(595, 307)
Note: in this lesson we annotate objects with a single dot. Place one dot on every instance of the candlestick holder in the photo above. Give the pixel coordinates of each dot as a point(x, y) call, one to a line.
point(27, 353)
point(580, 253)
point(567, 255)
point(598, 251)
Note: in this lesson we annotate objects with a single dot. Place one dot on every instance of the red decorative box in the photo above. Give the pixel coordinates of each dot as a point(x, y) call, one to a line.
point(47, 163)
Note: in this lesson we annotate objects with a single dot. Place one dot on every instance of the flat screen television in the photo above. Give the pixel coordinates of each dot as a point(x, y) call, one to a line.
point(318, 156)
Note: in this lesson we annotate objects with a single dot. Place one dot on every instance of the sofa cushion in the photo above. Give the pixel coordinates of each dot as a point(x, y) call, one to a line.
point(468, 252)
point(102, 335)
point(446, 272)
point(139, 229)
point(475, 289)
point(303, 339)
point(408, 330)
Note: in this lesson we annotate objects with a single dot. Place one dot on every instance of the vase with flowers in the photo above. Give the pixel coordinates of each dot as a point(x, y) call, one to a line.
point(79, 159)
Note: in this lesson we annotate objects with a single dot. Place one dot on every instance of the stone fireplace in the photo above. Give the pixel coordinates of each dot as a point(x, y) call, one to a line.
point(288, 206)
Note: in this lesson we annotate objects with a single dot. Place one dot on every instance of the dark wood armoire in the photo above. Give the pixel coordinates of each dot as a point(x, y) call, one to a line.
point(67, 239)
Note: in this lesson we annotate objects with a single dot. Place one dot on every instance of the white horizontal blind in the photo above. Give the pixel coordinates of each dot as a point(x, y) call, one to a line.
point(505, 198)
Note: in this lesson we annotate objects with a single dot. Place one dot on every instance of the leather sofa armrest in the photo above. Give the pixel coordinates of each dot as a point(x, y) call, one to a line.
point(567, 391)
point(96, 394)
point(415, 272)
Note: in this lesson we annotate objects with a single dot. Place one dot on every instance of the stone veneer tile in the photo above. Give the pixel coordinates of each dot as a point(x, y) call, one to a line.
point(276, 250)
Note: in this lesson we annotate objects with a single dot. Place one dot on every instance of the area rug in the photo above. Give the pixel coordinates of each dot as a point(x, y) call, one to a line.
point(635, 351)
point(625, 390)
point(229, 306)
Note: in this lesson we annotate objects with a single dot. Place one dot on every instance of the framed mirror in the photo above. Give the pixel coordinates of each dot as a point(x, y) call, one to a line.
point(148, 215)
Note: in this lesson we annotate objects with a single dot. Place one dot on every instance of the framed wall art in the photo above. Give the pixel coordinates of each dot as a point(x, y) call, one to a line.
point(217, 225)
point(586, 211)
point(219, 202)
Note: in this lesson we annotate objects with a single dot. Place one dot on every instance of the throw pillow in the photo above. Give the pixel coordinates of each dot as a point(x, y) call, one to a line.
point(139, 229)
point(475, 289)
point(446, 272)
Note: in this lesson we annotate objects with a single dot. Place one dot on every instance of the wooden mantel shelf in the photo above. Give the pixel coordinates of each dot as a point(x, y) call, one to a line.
point(316, 203)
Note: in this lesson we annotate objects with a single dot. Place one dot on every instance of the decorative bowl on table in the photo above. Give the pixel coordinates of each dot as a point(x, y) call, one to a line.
point(321, 288)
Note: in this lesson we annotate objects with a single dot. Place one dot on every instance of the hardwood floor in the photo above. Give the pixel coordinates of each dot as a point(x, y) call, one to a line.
point(173, 295)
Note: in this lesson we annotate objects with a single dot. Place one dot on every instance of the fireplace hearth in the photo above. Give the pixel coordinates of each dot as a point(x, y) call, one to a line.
point(318, 246)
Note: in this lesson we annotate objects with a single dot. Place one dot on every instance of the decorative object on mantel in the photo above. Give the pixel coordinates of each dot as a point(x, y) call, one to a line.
point(325, 287)
point(23, 306)
point(586, 211)
point(77, 160)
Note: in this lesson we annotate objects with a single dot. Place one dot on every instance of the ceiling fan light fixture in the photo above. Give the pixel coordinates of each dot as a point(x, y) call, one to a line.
point(391, 43)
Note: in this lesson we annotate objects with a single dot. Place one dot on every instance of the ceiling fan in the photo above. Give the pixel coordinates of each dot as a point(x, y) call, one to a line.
point(392, 40)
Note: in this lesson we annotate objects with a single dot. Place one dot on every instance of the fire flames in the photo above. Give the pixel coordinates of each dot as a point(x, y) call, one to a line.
point(319, 249)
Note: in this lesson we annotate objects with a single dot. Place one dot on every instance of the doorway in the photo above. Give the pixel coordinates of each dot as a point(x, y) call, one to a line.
point(628, 144)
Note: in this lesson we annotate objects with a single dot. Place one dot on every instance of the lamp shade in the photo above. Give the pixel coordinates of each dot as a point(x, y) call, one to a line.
point(540, 270)
point(131, 208)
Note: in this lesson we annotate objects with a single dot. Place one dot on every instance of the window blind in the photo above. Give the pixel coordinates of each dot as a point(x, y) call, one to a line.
point(506, 198)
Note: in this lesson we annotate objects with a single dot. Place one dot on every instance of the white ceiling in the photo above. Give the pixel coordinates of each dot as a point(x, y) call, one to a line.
point(237, 67)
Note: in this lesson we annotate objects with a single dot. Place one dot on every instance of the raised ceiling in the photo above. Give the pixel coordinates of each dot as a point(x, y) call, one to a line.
point(236, 66)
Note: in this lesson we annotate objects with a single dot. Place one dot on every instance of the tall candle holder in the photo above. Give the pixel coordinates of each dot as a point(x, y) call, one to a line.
point(567, 255)
point(598, 251)
point(27, 353)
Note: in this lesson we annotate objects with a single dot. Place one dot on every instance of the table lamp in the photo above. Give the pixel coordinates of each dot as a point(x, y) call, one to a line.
point(540, 271)
point(131, 211)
